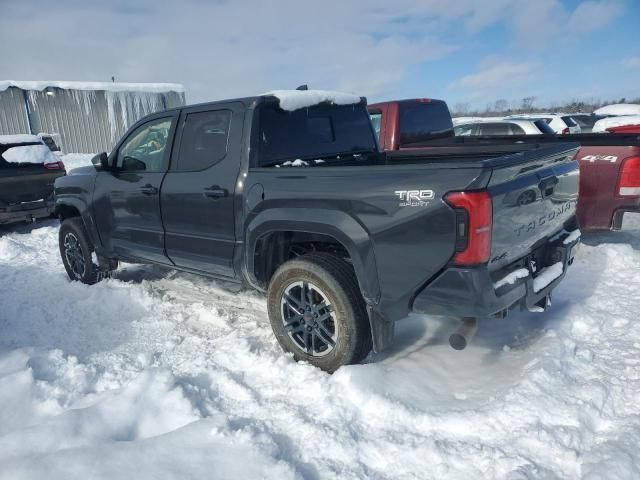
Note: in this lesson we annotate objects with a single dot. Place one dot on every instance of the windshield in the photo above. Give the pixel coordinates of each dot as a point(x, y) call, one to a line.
point(421, 121)
point(316, 132)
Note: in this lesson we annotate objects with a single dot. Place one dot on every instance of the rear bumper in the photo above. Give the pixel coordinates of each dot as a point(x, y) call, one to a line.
point(26, 212)
point(470, 292)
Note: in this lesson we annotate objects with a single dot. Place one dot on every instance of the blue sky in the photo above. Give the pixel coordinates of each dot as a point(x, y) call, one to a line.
point(464, 51)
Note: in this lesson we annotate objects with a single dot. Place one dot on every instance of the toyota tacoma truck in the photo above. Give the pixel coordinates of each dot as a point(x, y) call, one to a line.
point(289, 194)
point(609, 164)
point(27, 171)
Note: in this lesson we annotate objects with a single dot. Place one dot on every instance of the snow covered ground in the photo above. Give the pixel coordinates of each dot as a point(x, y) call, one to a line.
point(159, 374)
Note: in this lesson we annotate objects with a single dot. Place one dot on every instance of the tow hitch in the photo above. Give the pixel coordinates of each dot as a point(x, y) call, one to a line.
point(461, 337)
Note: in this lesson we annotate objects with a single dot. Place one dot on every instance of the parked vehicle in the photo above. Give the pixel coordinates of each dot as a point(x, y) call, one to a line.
point(633, 129)
point(511, 126)
point(586, 120)
point(603, 125)
point(27, 172)
point(560, 123)
point(289, 194)
point(610, 169)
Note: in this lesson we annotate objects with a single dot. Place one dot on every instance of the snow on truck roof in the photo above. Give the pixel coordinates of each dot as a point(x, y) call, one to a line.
point(291, 100)
point(93, 86)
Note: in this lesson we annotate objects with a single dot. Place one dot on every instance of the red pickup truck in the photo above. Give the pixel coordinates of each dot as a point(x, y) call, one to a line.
point(609, 163)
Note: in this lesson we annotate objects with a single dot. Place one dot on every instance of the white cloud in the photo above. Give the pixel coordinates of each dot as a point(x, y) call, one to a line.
point(226, 49)
point(631, 62)
point(593, 15)
point(543, 23)
point(496, 75)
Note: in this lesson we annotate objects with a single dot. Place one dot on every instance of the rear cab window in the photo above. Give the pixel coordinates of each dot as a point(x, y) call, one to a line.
point(569, 121)
point(311, 134)
point(421, 121)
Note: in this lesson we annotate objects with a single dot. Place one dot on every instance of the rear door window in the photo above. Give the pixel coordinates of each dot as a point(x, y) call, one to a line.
point(516, 129)
point(494, 129)
point(204, 140)
point(463, 130)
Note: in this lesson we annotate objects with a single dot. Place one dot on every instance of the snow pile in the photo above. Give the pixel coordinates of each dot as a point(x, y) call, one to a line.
point(19, 138)
point(604, 123)
point(40, 85)
point(619, 109)
point(291, 100)
point(30, 154)
point(158, 374)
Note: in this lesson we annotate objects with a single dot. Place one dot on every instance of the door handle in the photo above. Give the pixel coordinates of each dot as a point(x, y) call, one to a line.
point(149, 189)
point(215, 192)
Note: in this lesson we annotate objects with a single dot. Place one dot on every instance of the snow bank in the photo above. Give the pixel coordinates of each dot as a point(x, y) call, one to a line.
point(604, 123)
point(157, 374)
point(619, 109)
point(296, 99)
point(93, 86)
point(30, 154)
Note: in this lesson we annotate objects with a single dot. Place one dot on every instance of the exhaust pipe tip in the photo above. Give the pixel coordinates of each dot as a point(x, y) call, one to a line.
point(463, 335)
point(457, 341)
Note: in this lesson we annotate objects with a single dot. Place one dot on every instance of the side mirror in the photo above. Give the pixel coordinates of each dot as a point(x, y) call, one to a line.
point(101, 161)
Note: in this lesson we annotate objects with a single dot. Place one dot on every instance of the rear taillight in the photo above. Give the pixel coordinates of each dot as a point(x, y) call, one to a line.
point(54, 166)
point(629, 182)
point(473, 226)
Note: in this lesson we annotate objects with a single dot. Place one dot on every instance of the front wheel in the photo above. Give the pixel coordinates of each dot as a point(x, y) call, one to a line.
point(317, 312)
point(76, 251)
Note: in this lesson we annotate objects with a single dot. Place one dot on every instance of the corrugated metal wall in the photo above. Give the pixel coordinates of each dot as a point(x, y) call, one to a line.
point(13, 113)
point(87, 121)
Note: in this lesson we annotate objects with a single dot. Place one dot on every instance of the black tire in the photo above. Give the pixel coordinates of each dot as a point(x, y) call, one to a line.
point(332, 280)
point(73, 233)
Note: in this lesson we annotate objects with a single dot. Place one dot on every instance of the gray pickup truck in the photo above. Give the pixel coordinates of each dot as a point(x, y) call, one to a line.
point(289, 194)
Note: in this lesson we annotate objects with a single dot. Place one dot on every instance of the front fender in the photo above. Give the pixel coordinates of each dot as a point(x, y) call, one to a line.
point(63, 202)
point(338, 225)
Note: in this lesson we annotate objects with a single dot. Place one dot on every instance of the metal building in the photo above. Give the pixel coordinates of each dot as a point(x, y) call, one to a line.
point(89, 117)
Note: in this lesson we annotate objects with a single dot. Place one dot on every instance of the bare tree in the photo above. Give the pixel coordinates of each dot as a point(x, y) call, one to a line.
point(527, 104)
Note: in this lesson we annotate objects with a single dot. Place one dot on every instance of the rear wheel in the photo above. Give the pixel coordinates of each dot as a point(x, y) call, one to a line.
point(317, 312)
point(76, 251)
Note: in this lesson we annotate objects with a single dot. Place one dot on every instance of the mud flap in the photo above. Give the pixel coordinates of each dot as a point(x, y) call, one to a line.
point(382, 330)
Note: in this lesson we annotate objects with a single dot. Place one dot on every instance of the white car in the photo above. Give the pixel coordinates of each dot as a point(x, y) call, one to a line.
point(601, 125)
point(503, 126)
point(560, 123)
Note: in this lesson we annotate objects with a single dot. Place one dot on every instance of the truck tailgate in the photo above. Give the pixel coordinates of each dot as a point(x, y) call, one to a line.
point(534, 194)
point(21, 183)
